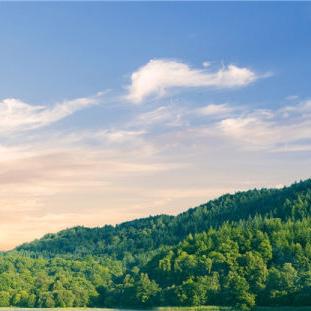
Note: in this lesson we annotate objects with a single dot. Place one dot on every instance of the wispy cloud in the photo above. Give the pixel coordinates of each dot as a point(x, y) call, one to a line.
point(69, 178)
point(159, 75)
point(139, 168)
point(280, 129)
point(170, 116)
point(215, 110)
point(303, 108)
point(17, 115)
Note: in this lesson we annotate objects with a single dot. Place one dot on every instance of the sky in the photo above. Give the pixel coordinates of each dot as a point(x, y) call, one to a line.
point(114, 111)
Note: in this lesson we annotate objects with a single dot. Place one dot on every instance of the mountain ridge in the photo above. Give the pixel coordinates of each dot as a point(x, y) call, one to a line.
point(242, 250)
point(150, 232)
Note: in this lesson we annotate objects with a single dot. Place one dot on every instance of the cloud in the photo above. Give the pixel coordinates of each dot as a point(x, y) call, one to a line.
point(251, 130)
point(63, 177)
point(159, 115)
point(206, 64)
point(59, 178)
point(160, 75)
point(215, 110)
point(303, 108)
point(170, 116)
point(292, 97)
point(116, 136)
point(17, 115)
point(285, 129)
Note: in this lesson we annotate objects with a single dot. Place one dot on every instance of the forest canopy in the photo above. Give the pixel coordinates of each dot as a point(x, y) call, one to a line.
point(244, 249)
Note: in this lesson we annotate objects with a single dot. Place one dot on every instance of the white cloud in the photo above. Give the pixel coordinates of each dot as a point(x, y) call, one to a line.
point(160, 114)
point(171, 116)
point(292, 97)
point(251, 130)
point(275, 130)
point(53, 175)
point(55, 179)
point(120, 136)
point(206, 64)
point(159, 75)
point(215, 110)
point(301, 108)
point(16, 115)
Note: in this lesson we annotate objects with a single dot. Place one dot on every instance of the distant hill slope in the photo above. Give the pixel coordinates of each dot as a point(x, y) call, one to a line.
point(147, 234)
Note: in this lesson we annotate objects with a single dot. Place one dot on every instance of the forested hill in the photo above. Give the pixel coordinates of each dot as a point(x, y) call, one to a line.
point(148, 234)
point(243, 250)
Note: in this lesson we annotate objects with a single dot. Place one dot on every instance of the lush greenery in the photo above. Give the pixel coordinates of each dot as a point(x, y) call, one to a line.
point(250, 248)
point(219, 308)
point(150, 233)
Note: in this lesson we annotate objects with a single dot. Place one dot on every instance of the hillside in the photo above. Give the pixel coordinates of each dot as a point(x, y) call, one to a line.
point(150, 233)
point(243, 250)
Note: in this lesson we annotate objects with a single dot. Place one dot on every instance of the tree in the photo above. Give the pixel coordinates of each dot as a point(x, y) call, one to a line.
point(281, 284)
point(237, 292)
point(146, 290)
point(4, 299)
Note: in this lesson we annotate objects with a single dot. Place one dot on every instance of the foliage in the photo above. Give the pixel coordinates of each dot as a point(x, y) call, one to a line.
point(248, 249)
point(147, 234)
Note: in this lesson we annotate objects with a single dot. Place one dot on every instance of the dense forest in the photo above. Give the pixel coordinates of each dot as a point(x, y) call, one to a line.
point(241, 250)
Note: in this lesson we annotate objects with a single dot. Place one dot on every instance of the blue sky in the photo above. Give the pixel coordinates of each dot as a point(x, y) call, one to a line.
point(112, 111)
point(52, 51)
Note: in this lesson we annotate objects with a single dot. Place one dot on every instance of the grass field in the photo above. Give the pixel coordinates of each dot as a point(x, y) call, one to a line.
point(200, 308)
point(215, 308)
point(283, 309)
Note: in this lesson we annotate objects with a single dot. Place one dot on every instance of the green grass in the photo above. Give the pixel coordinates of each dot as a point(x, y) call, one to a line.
point(200, 308)
point(283, 308)
point(215, 308)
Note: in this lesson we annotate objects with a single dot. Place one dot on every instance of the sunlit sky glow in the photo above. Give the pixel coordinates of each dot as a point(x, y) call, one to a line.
point(113, 111)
